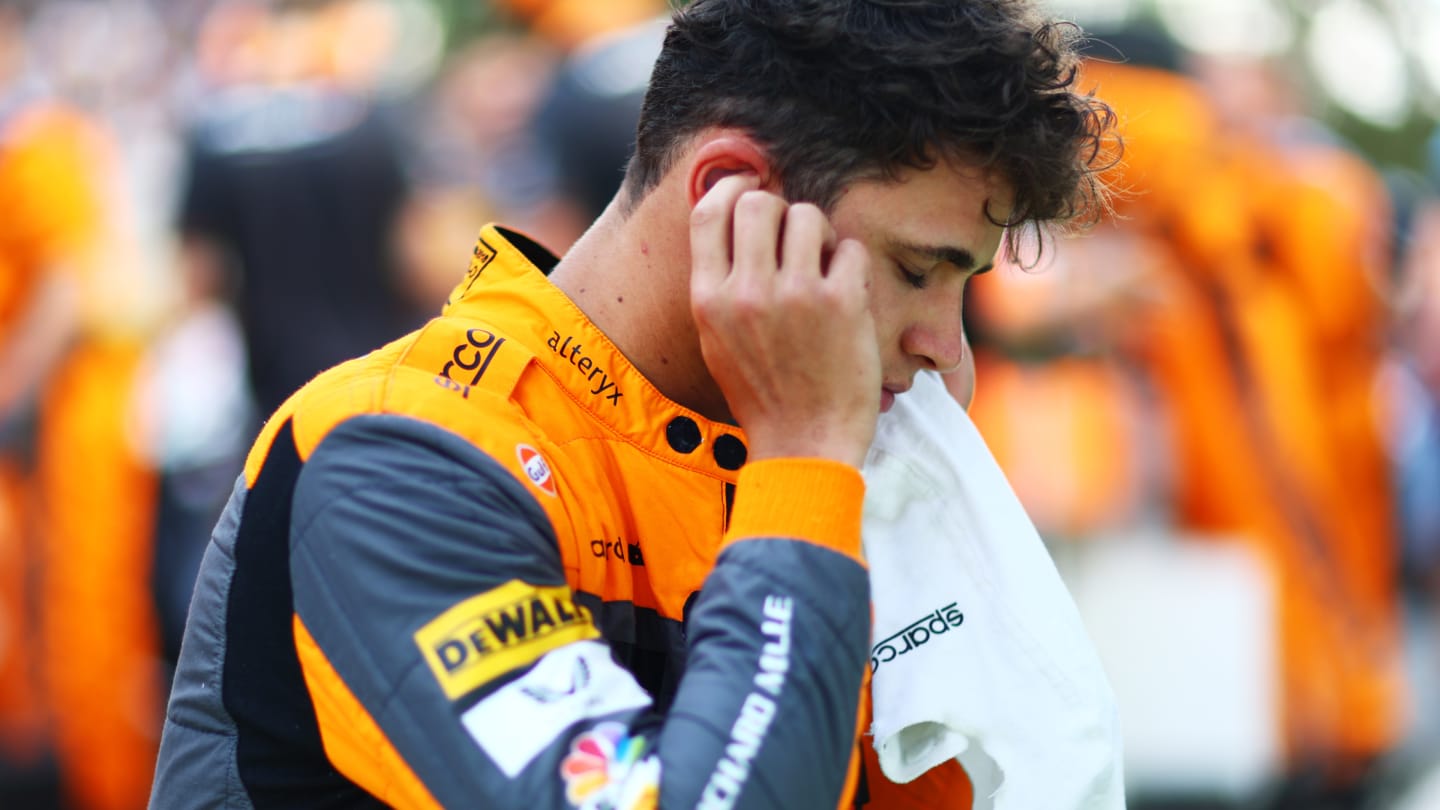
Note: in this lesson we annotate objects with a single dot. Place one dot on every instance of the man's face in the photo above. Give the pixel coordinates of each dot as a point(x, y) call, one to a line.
point(927, 235)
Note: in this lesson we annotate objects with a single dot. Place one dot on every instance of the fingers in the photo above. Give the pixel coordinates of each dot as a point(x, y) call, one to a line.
point(743, 235)
point(808, 238)
point(759, 219)
point(850, 265)
point(710, 229)
point(781, 310)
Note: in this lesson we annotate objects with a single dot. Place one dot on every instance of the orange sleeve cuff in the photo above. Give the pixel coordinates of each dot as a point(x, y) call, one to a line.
point(810, 499)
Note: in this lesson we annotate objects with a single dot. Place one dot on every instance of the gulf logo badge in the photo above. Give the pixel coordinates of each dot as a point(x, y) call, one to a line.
point(537, 469)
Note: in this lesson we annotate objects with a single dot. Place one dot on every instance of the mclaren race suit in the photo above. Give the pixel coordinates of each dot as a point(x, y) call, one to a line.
point(465, 571)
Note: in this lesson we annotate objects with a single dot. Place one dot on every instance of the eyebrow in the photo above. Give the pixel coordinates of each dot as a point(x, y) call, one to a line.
point(960, 257)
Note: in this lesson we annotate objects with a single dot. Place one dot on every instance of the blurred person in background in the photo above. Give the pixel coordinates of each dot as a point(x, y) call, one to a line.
point(570, 25)
point(531, 128)
point(475, 159)
point(585, 123)
point(79, 689)
point(1417, 442)
point(1305, 320)
point(39, 314)
point(1248, 310)
point(1070, 420)
point(294, 186)
point(1412, 388)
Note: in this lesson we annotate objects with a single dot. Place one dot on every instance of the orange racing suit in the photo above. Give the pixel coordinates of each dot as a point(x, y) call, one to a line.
point(489, 565)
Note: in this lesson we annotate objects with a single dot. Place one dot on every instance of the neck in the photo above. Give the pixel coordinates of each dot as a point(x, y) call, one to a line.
point(630, 275)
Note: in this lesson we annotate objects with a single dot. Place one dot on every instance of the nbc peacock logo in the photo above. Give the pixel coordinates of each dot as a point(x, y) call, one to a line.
point(597, 767)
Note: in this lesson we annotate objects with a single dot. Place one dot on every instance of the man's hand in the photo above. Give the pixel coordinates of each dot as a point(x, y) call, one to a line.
point(784, 320)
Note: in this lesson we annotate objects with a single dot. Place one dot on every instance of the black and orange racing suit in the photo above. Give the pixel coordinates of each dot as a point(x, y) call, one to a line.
point(466, 571)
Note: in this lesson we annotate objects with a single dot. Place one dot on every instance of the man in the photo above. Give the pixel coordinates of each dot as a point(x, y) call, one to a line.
point(593, 539)
point(74, 538)
point(294, 187)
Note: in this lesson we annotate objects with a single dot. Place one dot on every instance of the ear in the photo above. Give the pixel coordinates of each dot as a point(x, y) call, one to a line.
point(721, 153)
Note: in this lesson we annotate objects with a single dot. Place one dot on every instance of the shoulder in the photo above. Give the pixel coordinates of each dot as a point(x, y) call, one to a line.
point(452, 378)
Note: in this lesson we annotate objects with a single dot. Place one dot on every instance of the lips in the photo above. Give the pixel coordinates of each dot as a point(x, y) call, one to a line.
point(888, 394)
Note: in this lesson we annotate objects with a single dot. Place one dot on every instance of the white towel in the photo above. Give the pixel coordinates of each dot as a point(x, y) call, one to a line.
point(979, 651)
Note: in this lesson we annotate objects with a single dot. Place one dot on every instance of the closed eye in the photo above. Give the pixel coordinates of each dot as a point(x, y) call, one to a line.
point(914, 279)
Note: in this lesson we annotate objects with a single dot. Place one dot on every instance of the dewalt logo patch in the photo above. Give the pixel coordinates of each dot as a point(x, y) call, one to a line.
point(502, 629)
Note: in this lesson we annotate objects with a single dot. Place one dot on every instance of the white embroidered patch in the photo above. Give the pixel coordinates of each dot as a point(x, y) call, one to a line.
point(576, 682)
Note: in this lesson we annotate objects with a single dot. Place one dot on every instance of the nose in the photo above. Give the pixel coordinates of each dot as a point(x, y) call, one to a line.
point(938, 340)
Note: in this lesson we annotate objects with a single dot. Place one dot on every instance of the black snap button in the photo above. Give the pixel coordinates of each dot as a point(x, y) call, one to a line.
point(683, 434)
point(729, 452)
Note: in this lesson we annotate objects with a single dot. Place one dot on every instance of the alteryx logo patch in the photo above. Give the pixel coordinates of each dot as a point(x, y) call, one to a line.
point(495, 632)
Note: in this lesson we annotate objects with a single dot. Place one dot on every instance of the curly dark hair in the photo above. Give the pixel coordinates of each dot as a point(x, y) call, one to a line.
point(844, 90)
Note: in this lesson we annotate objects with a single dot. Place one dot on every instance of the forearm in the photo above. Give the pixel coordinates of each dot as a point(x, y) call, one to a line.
point(38, 340)
point(480, 700)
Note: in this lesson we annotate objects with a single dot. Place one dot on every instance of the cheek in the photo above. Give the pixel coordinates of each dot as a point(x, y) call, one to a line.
point(961, 382)
point(886, 309)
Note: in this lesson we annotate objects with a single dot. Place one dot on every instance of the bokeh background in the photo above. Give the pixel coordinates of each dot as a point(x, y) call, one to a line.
point(1221, 405)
